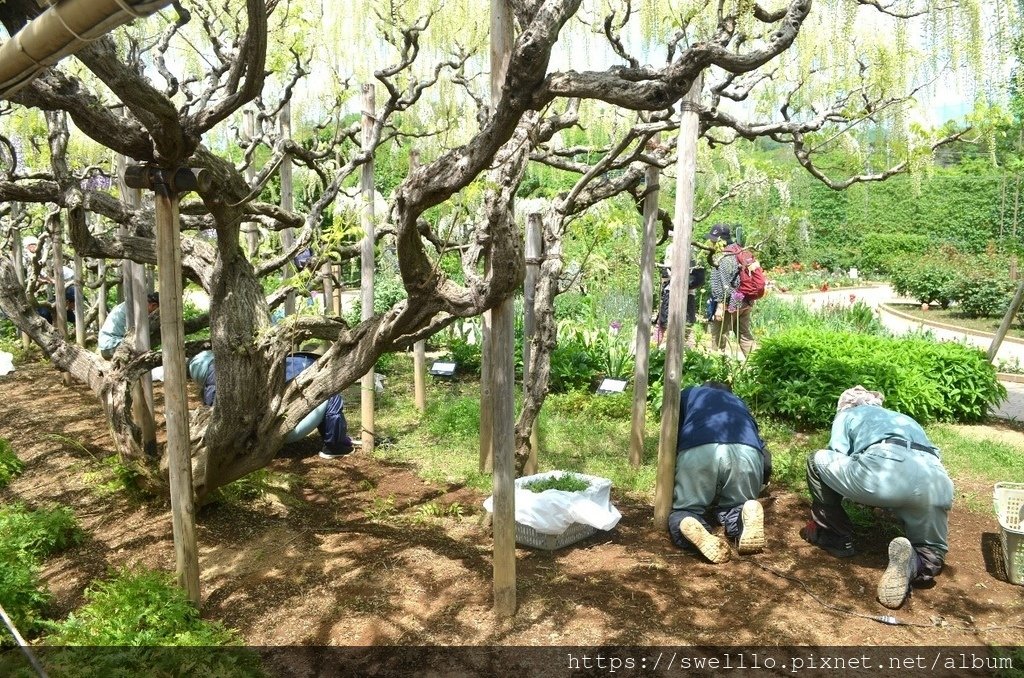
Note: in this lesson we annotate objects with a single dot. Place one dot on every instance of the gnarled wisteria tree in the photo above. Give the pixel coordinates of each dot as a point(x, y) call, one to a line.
point(169, 92)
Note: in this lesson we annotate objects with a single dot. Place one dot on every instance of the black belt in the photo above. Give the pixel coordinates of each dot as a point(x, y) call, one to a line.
point(907, 443)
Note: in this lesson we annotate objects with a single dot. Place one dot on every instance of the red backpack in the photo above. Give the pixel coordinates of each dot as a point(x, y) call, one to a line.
point(750, 280)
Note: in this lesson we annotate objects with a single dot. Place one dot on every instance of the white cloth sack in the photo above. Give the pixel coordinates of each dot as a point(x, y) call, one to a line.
point(157, 373)
point(553, 511)
point(6, 363)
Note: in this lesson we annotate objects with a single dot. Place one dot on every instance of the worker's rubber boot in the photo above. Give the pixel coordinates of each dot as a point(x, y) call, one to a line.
point(713, 548)
point(752, 537)
point(894, 586)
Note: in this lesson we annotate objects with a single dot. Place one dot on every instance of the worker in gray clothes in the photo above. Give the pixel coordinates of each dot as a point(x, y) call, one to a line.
point(878, 457)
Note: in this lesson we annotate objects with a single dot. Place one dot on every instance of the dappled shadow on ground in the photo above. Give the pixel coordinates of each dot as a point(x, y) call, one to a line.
point(357, 551)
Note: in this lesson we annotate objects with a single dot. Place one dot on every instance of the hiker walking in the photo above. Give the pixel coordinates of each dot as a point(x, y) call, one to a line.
point(722, 465)
point(878, 457)
point(737, 281)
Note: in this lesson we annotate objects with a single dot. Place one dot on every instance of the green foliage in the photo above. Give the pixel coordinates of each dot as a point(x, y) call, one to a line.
point(39, 533)
point(978, 284)
point(466, 356)
point(458, 418)
point(146, 611)
point(608, 407)
point(776, 315)
point(881, 251)
point(387, 291)
point(10, 465)
point(26, 538)
point(800, 374)
point(21, 594)
point(928, 278)
point(435, 509)
point(381, 509)
point(566, 482)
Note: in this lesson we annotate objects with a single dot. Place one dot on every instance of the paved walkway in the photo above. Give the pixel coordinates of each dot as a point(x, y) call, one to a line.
point(1012, 408)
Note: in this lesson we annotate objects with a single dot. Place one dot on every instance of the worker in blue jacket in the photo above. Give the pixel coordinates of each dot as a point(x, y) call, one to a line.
point(328, 418)
point(722, 464)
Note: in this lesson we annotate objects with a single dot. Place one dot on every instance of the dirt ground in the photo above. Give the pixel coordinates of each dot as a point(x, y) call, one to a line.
point(334, 562)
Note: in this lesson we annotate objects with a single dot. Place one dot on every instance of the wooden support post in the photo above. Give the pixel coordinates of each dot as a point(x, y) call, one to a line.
point(252, 236)
point(689, 129)
point(366, 280)
point(167, 187)
point(534, 222)
point(19, 259)
point(501, 375)
point(79, 300)
point(287, 200)
point(1004, 327)
point(134, 291)
point(419, 349)
point(643, 321)
point(60, 306)
point(101, 292)
point(339, 307)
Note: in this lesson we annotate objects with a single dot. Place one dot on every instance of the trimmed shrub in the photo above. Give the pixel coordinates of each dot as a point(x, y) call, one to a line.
point(928, 279)
point(883, 251)
point(799, 375)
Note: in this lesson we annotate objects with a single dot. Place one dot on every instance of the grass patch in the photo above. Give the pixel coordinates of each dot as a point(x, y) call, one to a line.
point(970, 452)
point(10, 465)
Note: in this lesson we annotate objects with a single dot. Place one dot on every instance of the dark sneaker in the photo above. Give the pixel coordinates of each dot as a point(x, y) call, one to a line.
point(894, 586)
point(713, 548)
point(831, 542)
point(752, 537)
point(327, 454)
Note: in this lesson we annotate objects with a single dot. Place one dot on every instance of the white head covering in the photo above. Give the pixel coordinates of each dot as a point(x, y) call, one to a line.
point(858, 395)
point(29, 240)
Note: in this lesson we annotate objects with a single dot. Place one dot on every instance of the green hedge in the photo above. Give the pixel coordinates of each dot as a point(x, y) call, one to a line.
point(799, 375)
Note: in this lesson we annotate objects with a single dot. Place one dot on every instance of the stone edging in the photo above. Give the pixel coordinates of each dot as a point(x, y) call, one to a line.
point(1009, 376)
point(954, 328)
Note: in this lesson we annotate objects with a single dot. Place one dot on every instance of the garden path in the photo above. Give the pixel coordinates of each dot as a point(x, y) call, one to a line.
point(1012, 408)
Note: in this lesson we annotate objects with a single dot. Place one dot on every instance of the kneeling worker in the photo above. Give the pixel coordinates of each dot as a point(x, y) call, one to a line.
point(878, 457)
point(116, 325)
point(327, 418)
point(721, 464)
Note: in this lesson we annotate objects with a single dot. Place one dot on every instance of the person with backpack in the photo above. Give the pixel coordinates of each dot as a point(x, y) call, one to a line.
point(737, 281)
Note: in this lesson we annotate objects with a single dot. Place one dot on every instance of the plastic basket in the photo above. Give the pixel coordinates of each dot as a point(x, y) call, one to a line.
point(527, 536)
point(1008, 500)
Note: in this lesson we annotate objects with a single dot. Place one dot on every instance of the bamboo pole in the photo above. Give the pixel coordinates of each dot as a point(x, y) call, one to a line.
point(501, 377)
point(252, 238)
point(172, 339)
point(1004, 327)
point(419, 349)
point(287, 199)
point(533, 259)
point(689, 128)
point(366, 280)
point(643, 322)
